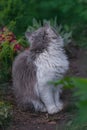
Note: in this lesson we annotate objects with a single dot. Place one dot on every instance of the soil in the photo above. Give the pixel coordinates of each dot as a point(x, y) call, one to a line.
point(42, 121)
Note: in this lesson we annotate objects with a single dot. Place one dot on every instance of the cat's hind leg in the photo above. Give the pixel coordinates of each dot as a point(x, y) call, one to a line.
point(39, 106)
point(58, 102)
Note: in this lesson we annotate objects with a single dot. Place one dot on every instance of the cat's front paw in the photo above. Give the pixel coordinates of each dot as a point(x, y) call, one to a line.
point(53, 110)
point(60, 106)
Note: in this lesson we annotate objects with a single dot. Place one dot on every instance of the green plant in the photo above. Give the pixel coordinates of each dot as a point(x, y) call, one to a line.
point(5, 114)
point(18, 14)
point(9, 48)
point(6, 58)
point(81, 94)
point(64, 31)
point(79, 86)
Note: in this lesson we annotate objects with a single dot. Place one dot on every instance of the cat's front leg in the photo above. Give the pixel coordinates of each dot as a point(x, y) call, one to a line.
point(46, 95)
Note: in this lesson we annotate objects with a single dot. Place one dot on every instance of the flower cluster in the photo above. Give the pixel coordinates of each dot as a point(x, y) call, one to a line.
point(9, 48)
point(9, 37)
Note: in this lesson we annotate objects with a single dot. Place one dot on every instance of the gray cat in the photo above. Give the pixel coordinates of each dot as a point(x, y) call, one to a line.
point(32, 70)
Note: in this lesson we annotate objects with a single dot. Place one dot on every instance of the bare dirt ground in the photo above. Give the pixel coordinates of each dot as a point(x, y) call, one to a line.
point(42, 121)
point(37, 121)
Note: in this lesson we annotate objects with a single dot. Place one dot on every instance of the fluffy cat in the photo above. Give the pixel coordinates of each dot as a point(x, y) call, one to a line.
point(32, 70)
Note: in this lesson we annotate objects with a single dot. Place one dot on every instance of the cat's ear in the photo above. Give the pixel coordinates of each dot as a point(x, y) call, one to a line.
point(27, 34)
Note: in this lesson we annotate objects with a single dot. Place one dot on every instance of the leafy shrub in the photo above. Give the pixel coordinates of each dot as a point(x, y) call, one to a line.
point(18, 14)
point(5, 114)
point(62, 30)
point(80, 100)
point(9, 48)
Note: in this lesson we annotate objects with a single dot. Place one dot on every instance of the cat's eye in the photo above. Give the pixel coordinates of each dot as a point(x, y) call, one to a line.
point(47, 34)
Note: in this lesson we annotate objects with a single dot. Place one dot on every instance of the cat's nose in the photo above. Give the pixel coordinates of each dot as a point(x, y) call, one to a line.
point(46, 24)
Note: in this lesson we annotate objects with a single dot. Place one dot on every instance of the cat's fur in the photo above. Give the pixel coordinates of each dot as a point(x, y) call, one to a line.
point(32, 70)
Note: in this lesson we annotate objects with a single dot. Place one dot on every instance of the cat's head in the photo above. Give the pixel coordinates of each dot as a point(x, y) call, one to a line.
point(41, 38)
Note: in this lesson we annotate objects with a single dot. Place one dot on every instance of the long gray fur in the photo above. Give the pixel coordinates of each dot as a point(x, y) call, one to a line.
point(26, 73)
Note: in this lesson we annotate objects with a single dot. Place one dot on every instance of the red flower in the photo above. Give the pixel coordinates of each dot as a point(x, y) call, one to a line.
point(1, 39)
point(11, 34)
point(17, 47)
point(0, 35)
point(9, 38)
